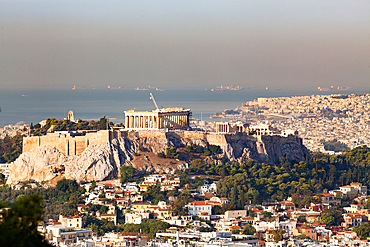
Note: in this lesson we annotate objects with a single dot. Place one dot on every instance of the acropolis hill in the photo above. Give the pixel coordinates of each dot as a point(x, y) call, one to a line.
point(89, 155)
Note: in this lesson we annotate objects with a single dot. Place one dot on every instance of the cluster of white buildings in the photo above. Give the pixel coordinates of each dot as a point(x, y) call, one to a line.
point(315, 117)
point(12, 130)
point(226, 227)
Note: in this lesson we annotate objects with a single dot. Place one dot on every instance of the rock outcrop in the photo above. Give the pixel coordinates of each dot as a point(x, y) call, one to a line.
point(103, 161)
point(42, 164)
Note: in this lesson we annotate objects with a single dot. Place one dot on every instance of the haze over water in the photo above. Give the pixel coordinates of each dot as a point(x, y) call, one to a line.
point(35, 105)
point(49, 46)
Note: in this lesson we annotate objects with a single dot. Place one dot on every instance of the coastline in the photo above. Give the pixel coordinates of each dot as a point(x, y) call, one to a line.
point(94, 104)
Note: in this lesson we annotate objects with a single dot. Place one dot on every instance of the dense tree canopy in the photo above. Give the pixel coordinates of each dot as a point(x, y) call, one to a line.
point(334, 145)
point(18, 225)
point(331, 217)
point(53, 124)
point(127, 173)
point(10, 148)
point(54, 200)
point(363, 231)
point(253, 182)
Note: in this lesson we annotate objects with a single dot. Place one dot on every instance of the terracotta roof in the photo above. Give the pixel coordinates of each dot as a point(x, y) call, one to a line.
point(214, 202)
point(198, 203)
point(71, 217)
point(141, 203)
point(323, 194)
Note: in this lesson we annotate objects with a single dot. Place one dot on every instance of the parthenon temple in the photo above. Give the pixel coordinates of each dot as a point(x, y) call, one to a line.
point(157, 119)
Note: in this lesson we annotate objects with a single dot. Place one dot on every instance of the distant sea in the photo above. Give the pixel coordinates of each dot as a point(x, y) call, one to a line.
point(34, 105)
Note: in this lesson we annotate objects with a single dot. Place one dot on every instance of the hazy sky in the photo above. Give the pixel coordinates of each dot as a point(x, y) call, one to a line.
point(185, 44)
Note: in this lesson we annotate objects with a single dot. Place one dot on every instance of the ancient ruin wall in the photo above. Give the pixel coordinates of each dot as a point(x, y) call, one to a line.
point(65, 143)
point(234, 145)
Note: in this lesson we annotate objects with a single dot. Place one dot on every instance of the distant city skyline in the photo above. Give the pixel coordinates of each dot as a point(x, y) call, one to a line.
point(185, 44)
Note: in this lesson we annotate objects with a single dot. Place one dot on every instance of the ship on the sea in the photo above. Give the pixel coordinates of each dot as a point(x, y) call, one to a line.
point(222, 88)
point(273, 90)
point(217, 90)
point(325, 88)
point(344, 88)
point(74, 88)
point(137, 88)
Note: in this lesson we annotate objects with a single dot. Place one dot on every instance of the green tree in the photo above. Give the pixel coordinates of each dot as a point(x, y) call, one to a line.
point(127, 173)
point(302, 219)
point(215, 149)
point(331, 217)
point(249, 230)
point(278, 234)
point(363, 230)
point(171, 153)
point(102, 124)
point(177, 206)
point(302, 236)
point(199, 149)
point(67, 185)
point(18, 226)
point(367, 204)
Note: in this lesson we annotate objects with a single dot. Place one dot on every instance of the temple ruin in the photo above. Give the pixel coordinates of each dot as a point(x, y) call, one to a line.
point(157, 119)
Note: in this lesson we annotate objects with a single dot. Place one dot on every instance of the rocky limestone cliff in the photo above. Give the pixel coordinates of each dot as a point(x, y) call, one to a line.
point(97, 162)
point(266, 148)
point(42, 164)
point(103, 161)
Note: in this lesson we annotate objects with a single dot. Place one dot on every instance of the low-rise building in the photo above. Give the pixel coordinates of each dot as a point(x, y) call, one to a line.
point(354, 208)
point(307, 231)
point(136, 217)
point(354, 188)
point(72, 221)
point(141, 205)
point(199, 207)
point(66, 235)
point(329, 199)
point(110, 217)
point(351, 220)
point(233, 214)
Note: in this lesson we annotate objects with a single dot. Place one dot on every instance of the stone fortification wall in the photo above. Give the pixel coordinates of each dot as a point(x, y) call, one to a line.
point(216, 139)
point(146, 134)
point(68, 143)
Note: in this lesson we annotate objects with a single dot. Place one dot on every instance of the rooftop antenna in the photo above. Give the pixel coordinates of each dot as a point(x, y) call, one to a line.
point(155, 103)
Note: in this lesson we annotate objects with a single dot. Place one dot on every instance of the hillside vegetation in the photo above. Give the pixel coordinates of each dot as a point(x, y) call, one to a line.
point(252, 182)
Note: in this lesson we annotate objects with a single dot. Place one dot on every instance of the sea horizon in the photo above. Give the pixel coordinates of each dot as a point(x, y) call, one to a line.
point(35, 105)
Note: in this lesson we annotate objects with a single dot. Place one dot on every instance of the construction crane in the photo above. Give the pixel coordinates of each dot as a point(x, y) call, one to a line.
point(155, 103)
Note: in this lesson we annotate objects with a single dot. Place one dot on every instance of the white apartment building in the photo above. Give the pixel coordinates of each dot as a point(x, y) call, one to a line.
point(353, 188)
point(199, 207)
point(66, 235)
